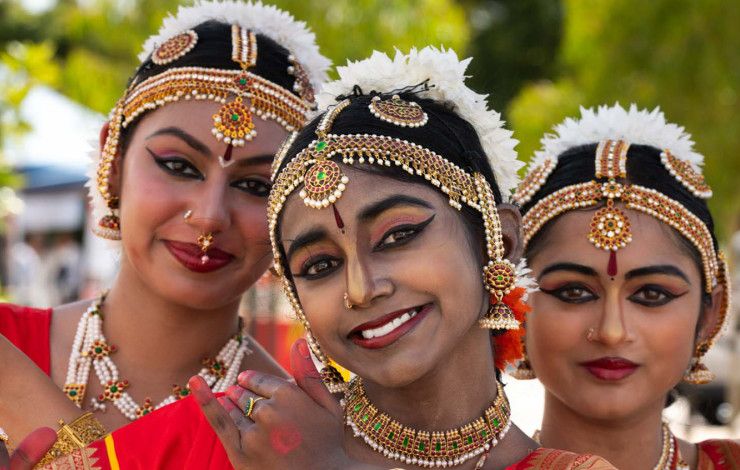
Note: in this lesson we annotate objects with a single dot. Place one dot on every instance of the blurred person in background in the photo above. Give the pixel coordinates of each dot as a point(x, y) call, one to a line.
point(633, 290)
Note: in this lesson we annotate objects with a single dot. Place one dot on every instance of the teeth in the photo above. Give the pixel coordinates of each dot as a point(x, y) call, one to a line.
point(390, 326)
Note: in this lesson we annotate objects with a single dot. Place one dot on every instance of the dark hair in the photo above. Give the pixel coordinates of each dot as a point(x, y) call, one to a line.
point(644, 168)
point(213, 50)
point(445, 133)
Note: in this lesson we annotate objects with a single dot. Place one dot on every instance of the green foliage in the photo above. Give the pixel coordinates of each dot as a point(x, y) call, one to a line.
point(680, 55)
point(514, 41)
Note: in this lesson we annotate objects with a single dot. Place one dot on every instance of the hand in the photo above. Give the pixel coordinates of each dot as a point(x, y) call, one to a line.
point(292, 426)
point(29, 452)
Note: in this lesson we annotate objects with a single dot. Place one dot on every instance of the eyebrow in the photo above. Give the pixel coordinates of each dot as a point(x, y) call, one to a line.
point(572, 267)
point(257, 160)
point(377, 208)
point(193, 142)
point(666, 269)
point(307, 238)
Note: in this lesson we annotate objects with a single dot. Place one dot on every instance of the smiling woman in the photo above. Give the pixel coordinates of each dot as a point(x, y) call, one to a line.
point(633, 291)
point(397, 251)
point(182, 180)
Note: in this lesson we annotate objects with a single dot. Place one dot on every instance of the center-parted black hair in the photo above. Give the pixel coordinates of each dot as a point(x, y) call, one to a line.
point(213, 50)
point(644, 168)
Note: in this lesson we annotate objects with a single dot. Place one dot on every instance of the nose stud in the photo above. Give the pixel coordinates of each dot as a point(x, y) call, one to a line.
point(347, 304)
point(188, 214)
point(590, 336)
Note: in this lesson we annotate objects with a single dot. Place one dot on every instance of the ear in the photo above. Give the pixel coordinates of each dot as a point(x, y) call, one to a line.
point(115, 173)
point(714, 315)
point(511, 231)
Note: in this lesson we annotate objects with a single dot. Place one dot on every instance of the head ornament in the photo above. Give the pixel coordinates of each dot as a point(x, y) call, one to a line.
point(614, 129)
point(241, 92)
point(316, 173)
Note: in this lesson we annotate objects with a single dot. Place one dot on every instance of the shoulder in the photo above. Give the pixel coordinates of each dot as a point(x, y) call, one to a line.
point(718, 454)
point(555, 459)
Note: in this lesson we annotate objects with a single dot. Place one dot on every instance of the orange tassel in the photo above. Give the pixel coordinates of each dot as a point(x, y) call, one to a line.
point(509, 346)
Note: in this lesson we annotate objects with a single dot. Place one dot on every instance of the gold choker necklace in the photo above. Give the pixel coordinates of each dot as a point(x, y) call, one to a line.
point(426, 449)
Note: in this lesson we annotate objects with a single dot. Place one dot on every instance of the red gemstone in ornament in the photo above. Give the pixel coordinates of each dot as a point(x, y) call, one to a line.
point(611, 267)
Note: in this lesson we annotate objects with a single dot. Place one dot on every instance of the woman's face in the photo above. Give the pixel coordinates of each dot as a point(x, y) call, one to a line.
point(610, 347)
point(408, 267)
point(171, 166)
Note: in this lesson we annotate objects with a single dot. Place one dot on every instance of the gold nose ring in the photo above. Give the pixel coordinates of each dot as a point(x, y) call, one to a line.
point(347, 304)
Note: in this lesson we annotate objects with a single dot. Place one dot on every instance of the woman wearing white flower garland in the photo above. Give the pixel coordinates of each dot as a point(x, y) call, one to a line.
point(392, 239)
point(182, 180)
point(633, 290)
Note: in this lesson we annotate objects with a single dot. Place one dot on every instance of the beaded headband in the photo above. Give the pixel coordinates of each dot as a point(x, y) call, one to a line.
point(241, 92)
point(615, 129)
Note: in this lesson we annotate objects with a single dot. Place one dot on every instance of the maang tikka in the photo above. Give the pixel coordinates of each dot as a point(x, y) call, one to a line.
point(324, 183)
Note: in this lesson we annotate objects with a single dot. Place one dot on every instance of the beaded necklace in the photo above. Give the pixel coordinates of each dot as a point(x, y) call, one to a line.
point(426, 449)
point(91, 350)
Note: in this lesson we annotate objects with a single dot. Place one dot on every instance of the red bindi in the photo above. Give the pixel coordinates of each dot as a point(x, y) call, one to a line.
point(611, 267)
point(338, 218)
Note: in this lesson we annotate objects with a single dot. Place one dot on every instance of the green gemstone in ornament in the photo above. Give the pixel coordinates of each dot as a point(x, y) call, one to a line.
point(73, 393)
point(496, 422)
point(242, 81)
point(184, 392)
point(234, 117)
point(364, 417)
point(376, 426)
point(321, 175)
point(114, 389)
point(321, 145)
point(390, 435)
point(357, 407)
point(470, 439)
point(438, 446)
point(98, 350)
point(454, 445)
point(406, 441)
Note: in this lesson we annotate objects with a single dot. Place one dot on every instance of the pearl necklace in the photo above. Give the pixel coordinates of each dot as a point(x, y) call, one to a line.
point(91, 350)
point(670, 456)
point(427, 449)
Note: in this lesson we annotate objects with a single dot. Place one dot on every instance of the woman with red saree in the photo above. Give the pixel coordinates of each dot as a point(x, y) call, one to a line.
point(633, 289)
point(182, 180)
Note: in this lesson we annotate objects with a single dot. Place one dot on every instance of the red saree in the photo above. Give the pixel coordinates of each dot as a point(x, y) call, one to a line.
point(718, 454)
point(28, 329)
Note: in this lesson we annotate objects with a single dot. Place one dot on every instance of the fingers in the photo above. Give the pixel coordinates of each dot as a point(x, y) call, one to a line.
point(241, 398)
point(32, 449)
point(308, 378)
point(262, 384)
point(218, 417)
point(236, 412)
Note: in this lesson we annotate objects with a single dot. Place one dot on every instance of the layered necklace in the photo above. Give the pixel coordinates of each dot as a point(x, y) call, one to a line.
point(438, 449)
point(90, 350)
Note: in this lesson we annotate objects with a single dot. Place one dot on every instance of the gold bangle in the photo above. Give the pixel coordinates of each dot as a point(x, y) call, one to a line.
point(74, 436)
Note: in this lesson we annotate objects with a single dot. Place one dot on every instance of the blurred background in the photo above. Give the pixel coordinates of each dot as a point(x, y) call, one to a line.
point(63, 64)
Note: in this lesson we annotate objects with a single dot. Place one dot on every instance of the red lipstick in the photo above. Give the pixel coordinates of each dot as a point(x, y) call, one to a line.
point(191, 256)
point(610, 368)
point(391, 337)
